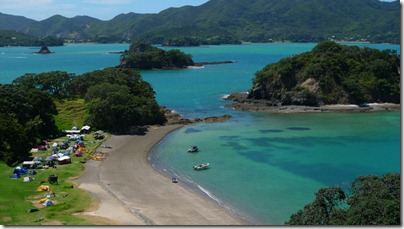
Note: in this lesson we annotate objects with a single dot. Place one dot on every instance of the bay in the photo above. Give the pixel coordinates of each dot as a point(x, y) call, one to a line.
point(263, 166)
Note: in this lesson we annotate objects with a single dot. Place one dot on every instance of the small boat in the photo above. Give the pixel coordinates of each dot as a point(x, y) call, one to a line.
point(193, 149)
point(201, 166)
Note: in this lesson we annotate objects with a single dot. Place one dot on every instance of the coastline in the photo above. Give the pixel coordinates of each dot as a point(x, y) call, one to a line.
point(243, 104)
point(131, 191)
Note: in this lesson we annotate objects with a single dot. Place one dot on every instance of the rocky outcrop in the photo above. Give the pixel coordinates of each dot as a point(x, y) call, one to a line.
point(175, 118)
point(44, 50)
point(198, 64)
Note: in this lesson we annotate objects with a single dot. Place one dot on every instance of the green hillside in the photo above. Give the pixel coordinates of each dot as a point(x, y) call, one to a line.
point(246, 20)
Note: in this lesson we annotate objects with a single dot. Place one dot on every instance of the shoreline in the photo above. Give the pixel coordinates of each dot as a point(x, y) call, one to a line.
point(132, 192)
point(241, 103)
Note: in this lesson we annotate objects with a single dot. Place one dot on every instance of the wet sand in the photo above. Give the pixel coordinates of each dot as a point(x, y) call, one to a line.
point(132, 192)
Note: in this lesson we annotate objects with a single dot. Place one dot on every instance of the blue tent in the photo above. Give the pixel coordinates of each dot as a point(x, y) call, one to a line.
point(20, 170)
point(15, 176)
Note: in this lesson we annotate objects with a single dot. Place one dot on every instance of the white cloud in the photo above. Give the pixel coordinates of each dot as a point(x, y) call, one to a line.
point(28, 4)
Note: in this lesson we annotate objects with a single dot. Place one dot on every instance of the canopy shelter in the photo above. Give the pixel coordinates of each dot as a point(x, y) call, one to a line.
point(64, 160)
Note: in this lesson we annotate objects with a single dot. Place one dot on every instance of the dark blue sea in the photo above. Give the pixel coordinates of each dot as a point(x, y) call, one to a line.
point(264, 167)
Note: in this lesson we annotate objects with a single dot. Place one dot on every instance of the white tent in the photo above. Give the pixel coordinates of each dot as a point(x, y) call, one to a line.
point(27, 179)
point(85, 128)
point(47, 202)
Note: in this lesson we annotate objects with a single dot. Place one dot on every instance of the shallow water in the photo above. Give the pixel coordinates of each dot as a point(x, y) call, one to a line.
point(264, 166)
point(270, 166)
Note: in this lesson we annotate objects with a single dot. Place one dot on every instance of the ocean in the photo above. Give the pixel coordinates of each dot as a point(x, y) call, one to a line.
point(263, 167)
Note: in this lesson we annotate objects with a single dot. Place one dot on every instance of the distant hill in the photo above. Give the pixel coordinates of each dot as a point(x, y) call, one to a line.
point(247, 20)
point(11, 38)
point(11, 22)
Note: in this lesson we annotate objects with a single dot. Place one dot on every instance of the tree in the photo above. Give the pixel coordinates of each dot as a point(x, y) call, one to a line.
point(119, 111)
point(14, 142)
point(373, 200)
point(56, 83)
point(31, 107)
point(118, 99)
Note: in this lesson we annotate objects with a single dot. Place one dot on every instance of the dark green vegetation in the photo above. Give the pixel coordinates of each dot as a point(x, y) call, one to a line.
point(372, 200)
point(116, 100)
point(10, 38)
point(145, 56)
point(331, 74)
point(26, 115)
point(246, 20)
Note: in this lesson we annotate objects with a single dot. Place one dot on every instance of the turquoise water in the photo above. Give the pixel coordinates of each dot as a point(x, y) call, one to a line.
point(263, 166)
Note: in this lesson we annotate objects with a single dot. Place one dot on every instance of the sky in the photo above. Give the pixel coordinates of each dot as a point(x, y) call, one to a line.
point(101, 9)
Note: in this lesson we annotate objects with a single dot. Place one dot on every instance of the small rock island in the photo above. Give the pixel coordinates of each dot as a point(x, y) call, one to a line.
point(44, 50)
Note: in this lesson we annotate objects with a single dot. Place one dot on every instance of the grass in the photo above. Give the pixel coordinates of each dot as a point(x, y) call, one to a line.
point(18, 197)
point(71, 113)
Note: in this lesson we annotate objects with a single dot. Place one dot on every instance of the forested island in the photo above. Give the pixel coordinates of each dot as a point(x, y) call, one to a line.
point(331, 73)
point(144, 56)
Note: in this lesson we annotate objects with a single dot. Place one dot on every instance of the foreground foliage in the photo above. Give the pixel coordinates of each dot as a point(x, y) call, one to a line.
point(331, 74)
point(373, 200)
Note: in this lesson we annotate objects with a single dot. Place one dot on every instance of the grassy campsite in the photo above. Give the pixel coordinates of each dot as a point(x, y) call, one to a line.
point(22, 204)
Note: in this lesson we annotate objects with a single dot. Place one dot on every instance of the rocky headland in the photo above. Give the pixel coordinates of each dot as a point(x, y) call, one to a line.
point(330, 78)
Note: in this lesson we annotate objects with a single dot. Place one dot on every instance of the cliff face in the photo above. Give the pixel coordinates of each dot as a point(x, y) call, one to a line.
point(330, 74)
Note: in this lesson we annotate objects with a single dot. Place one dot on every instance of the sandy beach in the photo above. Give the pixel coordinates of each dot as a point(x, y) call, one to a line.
point(131, 192)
